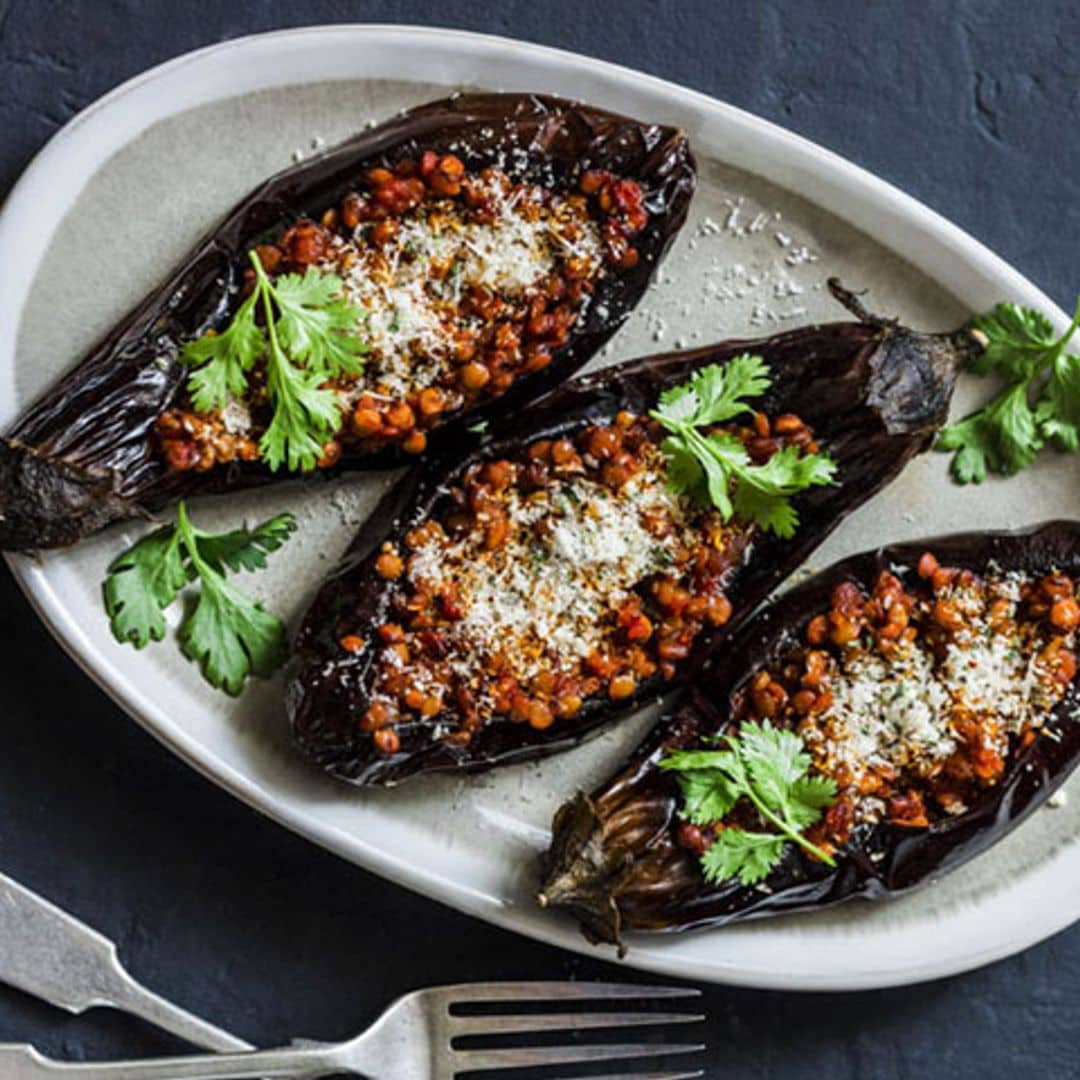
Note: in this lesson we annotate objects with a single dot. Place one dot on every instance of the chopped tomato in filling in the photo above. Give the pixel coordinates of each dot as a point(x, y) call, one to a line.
point(572, 572)
point(913, 697)
point(466, 282)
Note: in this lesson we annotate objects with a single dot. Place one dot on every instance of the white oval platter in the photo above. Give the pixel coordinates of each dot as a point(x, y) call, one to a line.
point(128, 185)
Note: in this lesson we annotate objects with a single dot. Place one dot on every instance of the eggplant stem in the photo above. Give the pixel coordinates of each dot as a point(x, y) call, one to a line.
point(851, 301)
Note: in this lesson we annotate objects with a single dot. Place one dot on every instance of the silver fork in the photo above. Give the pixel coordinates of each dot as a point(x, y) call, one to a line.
point(415, 1038)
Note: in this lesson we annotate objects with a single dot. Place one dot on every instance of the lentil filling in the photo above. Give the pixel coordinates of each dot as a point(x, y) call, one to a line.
point(466, 280)
point(913, 697)
point(569, 572)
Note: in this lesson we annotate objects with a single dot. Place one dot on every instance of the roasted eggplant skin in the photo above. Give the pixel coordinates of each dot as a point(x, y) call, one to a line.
point(82, 456)
point(873, 391)
point(614, 861)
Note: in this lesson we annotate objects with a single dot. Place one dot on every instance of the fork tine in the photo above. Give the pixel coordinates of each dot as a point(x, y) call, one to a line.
point(513, 992)
point(518, 1025)
point(528, 1057)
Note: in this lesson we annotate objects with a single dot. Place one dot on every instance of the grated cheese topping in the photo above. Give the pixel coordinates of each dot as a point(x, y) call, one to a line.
point(411, 288)
point(900, 711)
point(548, 594)
point(891, 711)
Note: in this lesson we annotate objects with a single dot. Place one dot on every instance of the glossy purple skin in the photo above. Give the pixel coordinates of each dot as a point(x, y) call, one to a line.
point(83, 455)
point(874, 393)
point(615, 864)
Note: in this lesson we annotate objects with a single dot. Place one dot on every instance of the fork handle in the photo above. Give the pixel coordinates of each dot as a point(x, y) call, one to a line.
point(23, 1062)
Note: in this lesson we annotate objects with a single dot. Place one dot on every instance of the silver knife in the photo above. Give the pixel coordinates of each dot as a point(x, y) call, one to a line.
point(52, 955)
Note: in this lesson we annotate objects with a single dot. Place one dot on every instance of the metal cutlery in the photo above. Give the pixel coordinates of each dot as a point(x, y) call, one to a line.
point(418, 1036)
point(52, 955)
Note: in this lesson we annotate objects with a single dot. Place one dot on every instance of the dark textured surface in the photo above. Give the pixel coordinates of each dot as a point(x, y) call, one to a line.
point(969, 106)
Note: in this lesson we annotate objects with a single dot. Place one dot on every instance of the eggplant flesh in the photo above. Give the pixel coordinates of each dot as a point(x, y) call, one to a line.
point(614, 861)
point(874, 393)
point(84, 454)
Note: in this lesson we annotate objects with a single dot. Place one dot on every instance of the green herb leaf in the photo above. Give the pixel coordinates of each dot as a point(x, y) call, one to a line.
point(1017, 338)
point(705, 780)
point(707, 796)
point(246, 548)
point(693, 760)
point(775, 759)
point(773, 513)
point(768, 766)
point(140, 584)
point(229, 635)
point(309, 337)
point(223, 360)
point(749, 856)
point(716, 393)
point(306, 417)
point(1007, 433)
point(715, 469)
point(1003, 437)
point(764, 494)
point(788, 471)
point(809, 795)
point(317, 325)
point(686, 475)
point(1058, 407)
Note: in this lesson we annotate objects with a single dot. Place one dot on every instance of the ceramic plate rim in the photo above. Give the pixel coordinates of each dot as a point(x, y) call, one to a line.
point(936, 247)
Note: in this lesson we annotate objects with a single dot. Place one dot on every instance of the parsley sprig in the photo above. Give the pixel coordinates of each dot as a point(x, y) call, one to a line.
point(1039, 406)
point(307, 336)
point(229, 635)
point(714, 468)
point(767, 766)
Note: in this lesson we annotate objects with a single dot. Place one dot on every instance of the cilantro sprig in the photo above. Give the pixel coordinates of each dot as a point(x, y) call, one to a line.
point(1039, 406)
point(307, 336)
point(229, 635)
point(768, 766)
point(715, 468)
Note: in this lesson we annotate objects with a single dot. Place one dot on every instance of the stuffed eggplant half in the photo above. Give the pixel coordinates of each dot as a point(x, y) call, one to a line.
point(463, 256)
point(509, 598)
point(877, 726)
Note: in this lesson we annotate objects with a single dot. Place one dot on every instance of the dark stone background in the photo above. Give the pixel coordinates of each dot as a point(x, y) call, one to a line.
point(968, 106)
